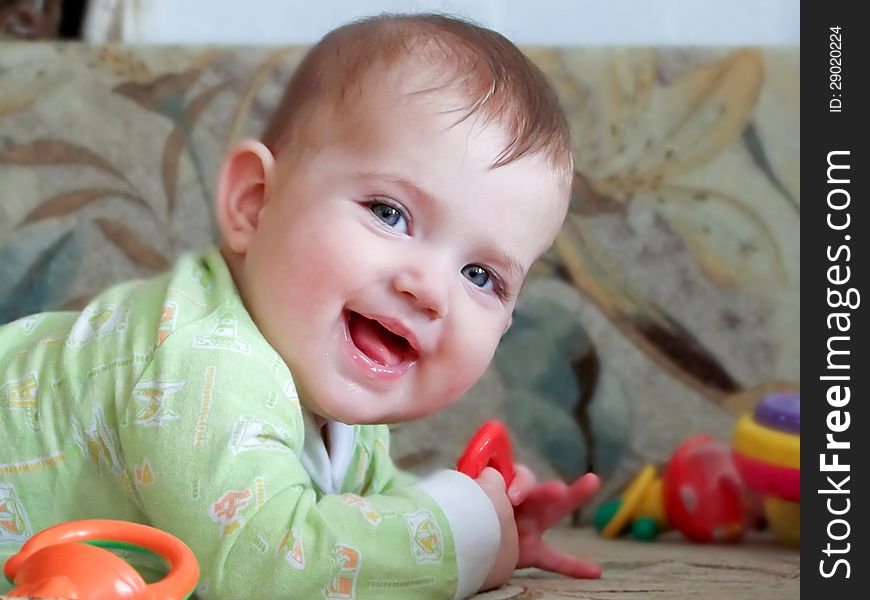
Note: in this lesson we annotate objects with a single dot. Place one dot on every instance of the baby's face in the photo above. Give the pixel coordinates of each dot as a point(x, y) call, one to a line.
point(386, 262)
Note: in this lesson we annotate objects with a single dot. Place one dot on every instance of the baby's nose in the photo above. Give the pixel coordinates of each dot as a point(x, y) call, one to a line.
point(424, 289)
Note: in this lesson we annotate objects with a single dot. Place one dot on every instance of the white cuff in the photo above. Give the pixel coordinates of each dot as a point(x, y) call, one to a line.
point(474, 524)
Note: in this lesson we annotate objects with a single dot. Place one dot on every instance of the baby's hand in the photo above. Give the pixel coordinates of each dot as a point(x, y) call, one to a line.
point(523, 483)
point(542, 507)
point(492, 484)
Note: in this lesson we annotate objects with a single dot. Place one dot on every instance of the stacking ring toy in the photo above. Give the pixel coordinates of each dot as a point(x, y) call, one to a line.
point(767, 453)
point(69, 561)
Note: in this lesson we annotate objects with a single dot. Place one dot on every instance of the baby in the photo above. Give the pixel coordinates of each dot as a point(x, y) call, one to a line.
point(373, 246)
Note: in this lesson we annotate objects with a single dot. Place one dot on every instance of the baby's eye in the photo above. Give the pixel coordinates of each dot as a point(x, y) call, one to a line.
point(478, 276)
point(390, 216)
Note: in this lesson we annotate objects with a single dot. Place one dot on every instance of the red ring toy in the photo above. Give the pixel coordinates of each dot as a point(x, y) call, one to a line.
point(490, 447)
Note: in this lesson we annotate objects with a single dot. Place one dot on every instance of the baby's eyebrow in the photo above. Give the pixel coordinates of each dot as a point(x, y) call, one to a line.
point(409, 186)
point(515, 270)
point(510, 269)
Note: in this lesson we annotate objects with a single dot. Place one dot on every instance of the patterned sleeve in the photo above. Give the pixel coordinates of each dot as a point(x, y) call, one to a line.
point(379, 473)
point(212, 437)
point(467, 510)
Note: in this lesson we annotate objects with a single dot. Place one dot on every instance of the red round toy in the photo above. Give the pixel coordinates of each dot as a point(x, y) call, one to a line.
point(700, 493)
point(703, 493)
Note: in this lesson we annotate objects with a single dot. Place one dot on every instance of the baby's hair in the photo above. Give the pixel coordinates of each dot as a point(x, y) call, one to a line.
point(500, 82)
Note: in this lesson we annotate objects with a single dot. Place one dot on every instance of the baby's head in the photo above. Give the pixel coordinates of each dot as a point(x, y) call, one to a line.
point(380, 233)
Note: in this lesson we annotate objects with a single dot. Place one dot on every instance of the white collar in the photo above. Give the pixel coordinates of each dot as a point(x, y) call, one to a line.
point(327, 469)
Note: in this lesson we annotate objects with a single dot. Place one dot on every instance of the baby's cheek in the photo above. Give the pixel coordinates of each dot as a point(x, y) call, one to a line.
point(316, 270)
point(470, 354)
point(338, 260)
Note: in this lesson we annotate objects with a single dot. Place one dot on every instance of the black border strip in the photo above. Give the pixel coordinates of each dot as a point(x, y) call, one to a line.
point(835, 227)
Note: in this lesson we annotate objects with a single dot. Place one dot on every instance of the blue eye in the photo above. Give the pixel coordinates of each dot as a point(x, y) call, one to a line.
point(478, 276)
point(389, 216)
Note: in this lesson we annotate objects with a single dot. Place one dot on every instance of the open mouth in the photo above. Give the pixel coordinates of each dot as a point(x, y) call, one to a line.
point(378, 343)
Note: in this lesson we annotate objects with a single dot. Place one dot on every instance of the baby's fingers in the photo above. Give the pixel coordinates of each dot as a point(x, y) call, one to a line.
point(523, 483)
point(566, 499)
point(584, 488)
point(555, 561)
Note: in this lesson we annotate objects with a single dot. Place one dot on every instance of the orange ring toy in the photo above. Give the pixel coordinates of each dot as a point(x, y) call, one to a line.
point(60, 562)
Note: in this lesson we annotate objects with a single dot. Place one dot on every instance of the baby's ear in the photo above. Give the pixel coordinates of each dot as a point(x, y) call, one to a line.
point(508, 324)
point(243, 187)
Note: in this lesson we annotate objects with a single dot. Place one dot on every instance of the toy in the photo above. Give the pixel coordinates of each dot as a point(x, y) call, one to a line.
point(766, 451)
point(69, 561)
point(700, 494)
point(490, 447)
point(543, 506)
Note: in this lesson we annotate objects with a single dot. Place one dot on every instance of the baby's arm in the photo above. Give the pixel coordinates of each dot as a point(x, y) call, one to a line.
point(492, 483)
point(215, 457)
point(477, 556)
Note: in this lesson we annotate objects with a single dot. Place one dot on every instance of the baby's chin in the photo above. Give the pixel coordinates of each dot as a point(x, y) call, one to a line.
point(331, 411)
point(376, 412)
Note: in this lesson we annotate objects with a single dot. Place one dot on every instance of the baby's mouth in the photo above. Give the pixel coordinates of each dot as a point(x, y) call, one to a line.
point(377, 342)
